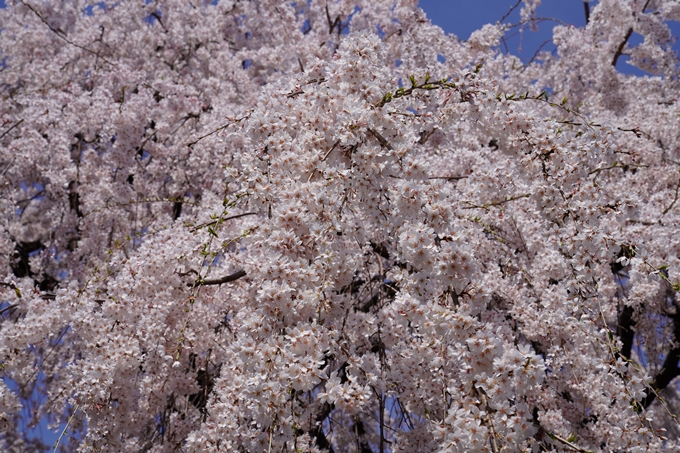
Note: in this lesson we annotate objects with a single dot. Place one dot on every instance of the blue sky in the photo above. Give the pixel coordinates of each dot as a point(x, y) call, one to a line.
point(462, 17)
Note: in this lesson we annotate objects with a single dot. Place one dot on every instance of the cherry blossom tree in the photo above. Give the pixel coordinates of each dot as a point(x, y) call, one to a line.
point(328, 226)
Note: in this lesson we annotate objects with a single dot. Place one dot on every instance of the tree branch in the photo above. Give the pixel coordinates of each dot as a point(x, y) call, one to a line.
point(675, 199)
point(619, 51)
point(7, 308)
point(62, 35)
point(214, 222)
point(566, 442)
point(221, 280)
point(384, 143)
point(624, 330)
point(495, 203)
point(670, 369)
point(13, 126)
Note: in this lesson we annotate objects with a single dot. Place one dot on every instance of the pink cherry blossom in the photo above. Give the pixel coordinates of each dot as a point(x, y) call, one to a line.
point(269, 226)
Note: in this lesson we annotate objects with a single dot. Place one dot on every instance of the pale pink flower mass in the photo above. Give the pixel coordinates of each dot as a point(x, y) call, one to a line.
point(329, 226)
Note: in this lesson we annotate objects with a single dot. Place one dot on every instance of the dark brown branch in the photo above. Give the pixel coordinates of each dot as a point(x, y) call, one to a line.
point(9, 307)
point(586, 8)
point(619, 51)
point(495, 203)
point(231, 121)
point(215, 222)
point(330, 150)
point(670, 369)
point(448, 178)
point(8, 130)
point(424, 136)
point(316, 431)
point(333, 24)
point(566, 442)
point(675, 199)
point(535, 55)
point(669, 372)
point(384, 143)
point(510, 11)
point(624, 330)
point(221, 280)
point(381, 403)
point(190, 144)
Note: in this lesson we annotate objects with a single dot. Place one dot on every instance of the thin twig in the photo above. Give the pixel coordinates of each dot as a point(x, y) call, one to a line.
point(598, 170)
point(492, 431)
point(54, 346)
point(566, 442)
point(56, 444)
point(495, 203)
point(510, 11)
point(231, 121)
point(190, 144)
point(448, 178)
point(7, 167)
point(8, 130)
point(311, 175)
point(9, 307)
point(62, 35)
point(533, 57)
point(384, 143)
point(330, 150)
point(539, 20)
point(214, 222)
point(675, 199)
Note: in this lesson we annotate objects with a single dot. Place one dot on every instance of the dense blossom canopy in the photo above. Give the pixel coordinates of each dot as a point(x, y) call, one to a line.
point(328, 226)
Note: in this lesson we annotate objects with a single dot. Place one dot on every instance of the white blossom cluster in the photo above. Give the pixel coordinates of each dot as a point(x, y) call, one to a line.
point(327, 226)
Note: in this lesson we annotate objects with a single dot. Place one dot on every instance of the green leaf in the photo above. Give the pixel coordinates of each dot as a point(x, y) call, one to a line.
point(413, 81)
point(564, 101)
